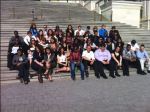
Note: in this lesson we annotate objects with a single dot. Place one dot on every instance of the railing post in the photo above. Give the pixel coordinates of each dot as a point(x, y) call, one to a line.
point(41, 13)
point(33, 14)
point(69, 16)
point(14, 13)
point(94, 15)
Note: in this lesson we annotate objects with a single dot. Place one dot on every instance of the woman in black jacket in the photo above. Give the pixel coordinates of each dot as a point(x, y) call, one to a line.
point(50, 61)
point(38, 62)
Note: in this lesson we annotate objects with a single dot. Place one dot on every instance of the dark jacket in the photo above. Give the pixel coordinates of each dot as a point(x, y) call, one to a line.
point(52, 60)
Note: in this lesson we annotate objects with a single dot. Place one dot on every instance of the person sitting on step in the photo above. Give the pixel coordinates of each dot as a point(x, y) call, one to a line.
point(116, 60)
point(62, 61)
point(50, 63)
point(129, 58)
point(88, 59)
point(102, 59)
point(143, 57)
point(21, 62)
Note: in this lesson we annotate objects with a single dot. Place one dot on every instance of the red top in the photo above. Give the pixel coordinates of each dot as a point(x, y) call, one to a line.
point(75, 56)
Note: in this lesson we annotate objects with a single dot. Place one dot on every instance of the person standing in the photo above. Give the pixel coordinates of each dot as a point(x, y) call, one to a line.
point(76, 61)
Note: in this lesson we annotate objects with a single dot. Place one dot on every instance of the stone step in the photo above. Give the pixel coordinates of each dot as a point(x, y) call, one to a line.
point(12, 75)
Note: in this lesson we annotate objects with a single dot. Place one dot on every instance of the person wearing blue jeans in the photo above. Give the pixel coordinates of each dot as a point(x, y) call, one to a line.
point(76, 61)
point(73, 66)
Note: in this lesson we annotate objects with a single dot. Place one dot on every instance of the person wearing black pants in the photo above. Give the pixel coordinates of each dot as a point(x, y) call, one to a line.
point(37, 62)
point(116, 60)
point(88, 59)
point(102, 57)
point(20, 61)
point(129, 58)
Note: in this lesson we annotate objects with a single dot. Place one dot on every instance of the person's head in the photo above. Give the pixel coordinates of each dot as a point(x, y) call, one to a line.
point(41, 33)
point(100, 40)
point(88, 27)
point(16, 33)
point(142, 47)
point(133, 42)
point(108, 40)
point(61, 51)
point(102, 46)
point(128, 47)
point(103, 26)
point(70, 27)
point(79, 27)
point(33, 42)
point(113, 27)
point(88, 48)
point(53, 40)
point(45, 27)
point(39, 48)
point(19, 52)
point(117, 49)
point(33, 25)
point(29, 33)
point(96, 33)
point(88, 40)
point(48, 50)
point(76, 49)
point(50, 32)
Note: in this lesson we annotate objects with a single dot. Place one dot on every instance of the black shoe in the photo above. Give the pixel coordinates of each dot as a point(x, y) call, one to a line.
point(40, 79)
point(126, 75)
point(116, 74)
point(82, 78)
point(148, 71)
point(98, 77)
point(104, 76)
point(139, 72)
point(143, 73)
point(112, 76)
point(31, 76)
point(28, 80)
point(87, 74)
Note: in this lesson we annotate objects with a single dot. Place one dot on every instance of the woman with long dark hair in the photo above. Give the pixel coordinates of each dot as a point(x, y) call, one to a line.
point(62, 61)
point(37, 62)
point(50, 63)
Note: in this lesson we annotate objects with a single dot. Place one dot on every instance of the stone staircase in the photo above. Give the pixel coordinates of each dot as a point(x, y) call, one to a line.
point(22, 25)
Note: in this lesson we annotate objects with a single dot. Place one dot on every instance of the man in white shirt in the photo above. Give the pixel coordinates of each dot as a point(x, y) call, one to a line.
point(143, 57)
point(134, 45)
point(80, 31)
point(88, 59)
point(27, 40)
